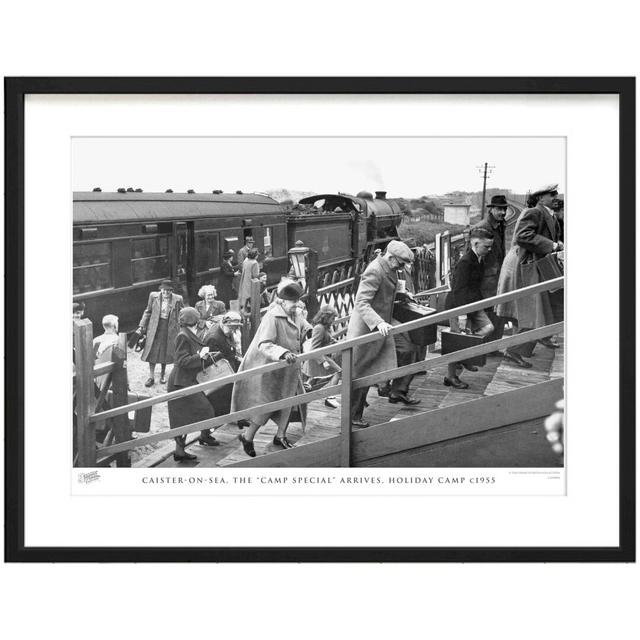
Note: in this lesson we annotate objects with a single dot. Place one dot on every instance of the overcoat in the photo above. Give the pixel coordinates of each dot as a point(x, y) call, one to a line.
point(196, 407)
point(224, 283)
point(250, 270)
point(535, 233)
point(373, 305)
point(151, 317)
point(277, 334)
point(493, 261)
point(320, 337)
point(208, 313)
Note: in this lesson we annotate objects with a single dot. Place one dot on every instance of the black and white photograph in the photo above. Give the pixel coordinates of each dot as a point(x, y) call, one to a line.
point(298, 302)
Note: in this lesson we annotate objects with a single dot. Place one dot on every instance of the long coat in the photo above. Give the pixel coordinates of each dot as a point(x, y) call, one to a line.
point(373, 305)
point(493, 261)
point(277, 334)
point(196, 407)
point(535, 233)
point(250, 270)
point(320, 337)
point(151, 317)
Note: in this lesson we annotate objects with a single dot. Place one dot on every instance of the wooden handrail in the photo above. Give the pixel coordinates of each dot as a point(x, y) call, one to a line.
point(337, 347)
point(336, 285)
point(325, 392)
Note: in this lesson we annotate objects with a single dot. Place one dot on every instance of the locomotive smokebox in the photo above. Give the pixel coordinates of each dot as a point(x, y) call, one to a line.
point(381, 195)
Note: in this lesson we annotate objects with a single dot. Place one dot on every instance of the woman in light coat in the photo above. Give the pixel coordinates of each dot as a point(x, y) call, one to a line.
point(250, 270)
point(160, 321)
point(279, 337)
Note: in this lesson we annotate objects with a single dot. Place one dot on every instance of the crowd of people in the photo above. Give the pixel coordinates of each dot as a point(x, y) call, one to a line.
point(195, 339)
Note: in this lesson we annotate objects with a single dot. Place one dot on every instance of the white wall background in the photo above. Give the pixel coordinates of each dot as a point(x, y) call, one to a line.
point(296, 38)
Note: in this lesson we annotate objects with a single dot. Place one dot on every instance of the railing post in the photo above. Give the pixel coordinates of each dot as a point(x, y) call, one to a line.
point(119, 385)
point(345, 410)
point(85, 430)
point(312, 284)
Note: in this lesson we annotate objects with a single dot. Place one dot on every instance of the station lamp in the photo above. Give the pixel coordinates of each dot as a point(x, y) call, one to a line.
point(298, 255)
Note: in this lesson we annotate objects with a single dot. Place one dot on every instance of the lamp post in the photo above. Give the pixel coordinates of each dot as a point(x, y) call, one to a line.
point(298, 257)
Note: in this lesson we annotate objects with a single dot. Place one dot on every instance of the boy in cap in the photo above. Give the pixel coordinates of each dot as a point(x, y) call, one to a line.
point(279, 337)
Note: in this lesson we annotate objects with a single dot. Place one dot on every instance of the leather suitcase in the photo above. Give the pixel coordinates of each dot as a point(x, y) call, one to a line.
point(406, 311)
point(452, 342)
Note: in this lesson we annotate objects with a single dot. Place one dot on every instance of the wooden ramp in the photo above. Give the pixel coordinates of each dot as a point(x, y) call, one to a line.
point(503, 431)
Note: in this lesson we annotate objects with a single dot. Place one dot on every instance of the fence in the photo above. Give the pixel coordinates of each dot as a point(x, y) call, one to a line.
point(87, 419)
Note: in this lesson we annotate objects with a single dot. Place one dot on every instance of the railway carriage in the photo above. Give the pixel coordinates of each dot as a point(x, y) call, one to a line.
point(126, 243)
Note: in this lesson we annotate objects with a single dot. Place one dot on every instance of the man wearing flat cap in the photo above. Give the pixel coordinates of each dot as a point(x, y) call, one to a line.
point(279, 337)
point(538, 233)
point(373, 311)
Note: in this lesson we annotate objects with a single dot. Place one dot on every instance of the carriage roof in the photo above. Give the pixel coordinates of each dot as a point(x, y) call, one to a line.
point(96, 206)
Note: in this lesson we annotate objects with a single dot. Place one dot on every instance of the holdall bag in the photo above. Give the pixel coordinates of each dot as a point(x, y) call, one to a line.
point(452, 342)
point(214, 371)
point(549, 267)
point(405, 311)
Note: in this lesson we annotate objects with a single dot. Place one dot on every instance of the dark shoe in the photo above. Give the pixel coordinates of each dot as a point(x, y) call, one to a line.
point(283, 442)
point(331, 402)
point(185, 456)
point(247, 446)
point(421, 373)
point(455, 382)
point(208, 441)
point(361, 424)
point(383, 391)
point(495, 354)
point(470, 367)
point(402, 397)
point(243, 423)
point(518, 360)
point(149, 383)
point(163, 380)
point(549, 343)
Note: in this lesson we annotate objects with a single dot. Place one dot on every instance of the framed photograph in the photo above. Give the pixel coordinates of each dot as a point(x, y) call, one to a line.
point(356, 309)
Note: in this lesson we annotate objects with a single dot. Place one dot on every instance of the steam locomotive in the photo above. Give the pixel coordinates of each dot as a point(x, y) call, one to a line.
point(125, 243)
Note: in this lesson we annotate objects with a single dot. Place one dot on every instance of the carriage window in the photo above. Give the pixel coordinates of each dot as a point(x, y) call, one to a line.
point(92, 267)
point(207, 251)
point(268, 242)
point(150, 259)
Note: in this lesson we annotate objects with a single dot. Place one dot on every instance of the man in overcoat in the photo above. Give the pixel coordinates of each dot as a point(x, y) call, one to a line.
point(160, 320)
point(494, 223)
point(538, 232)
point(373, 311)
point(279, 337)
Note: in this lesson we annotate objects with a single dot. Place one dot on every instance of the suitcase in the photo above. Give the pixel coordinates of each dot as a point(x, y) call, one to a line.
point(405, 311)
point(452, 342)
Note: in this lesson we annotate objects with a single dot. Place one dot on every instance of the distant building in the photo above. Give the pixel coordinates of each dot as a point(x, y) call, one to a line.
point(457, 213)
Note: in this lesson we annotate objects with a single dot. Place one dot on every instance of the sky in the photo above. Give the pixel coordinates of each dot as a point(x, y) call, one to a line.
point(404, 167)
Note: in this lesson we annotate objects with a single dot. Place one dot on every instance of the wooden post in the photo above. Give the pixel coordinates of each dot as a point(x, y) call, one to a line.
point(255, 308)
point(121, 429)
point(83, 354)
point(312, 284)
point(345, 409)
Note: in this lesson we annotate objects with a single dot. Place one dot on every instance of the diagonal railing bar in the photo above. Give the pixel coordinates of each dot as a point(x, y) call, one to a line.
point(434, 318)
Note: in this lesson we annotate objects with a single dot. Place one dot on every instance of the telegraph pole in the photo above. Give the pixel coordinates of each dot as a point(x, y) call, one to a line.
point(486, 171)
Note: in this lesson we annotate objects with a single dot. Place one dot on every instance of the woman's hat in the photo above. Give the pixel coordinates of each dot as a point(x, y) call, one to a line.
point(232, 318)
point(228, 254)
point(188, 316)
point(167, 284)
point(498, 201)
point(289, 290)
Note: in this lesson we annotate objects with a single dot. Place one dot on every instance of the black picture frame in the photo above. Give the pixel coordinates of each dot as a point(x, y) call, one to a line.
point(15, 91)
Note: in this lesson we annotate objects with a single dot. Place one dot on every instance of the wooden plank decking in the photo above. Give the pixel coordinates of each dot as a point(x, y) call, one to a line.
point(323, 422)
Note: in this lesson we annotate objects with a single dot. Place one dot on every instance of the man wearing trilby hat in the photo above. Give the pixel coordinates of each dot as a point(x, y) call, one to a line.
point(373, 311)
point(538, 233)
point(279, 337)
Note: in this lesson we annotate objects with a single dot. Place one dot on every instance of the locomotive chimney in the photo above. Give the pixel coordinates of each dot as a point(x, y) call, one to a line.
point(381, 195)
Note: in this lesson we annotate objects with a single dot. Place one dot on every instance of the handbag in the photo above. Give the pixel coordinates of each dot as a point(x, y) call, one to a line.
point(452, 342)
point(214, 371)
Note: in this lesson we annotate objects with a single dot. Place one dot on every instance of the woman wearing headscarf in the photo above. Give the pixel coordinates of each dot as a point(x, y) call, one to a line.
point(225, 279)
point(191, 356)
point(160, 321)
point(250, 270)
